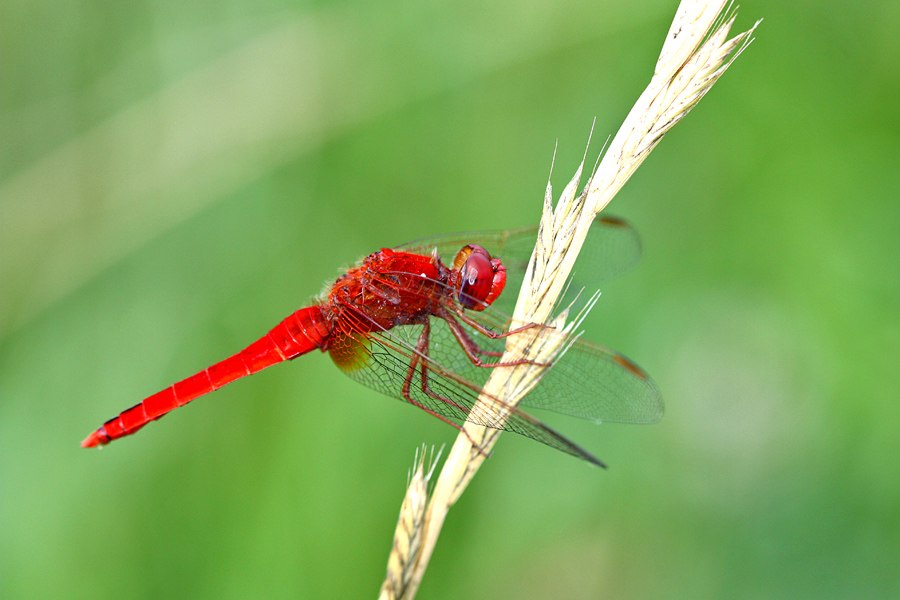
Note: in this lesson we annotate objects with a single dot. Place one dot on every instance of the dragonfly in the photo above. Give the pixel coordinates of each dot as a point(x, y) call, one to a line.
point(424, 322)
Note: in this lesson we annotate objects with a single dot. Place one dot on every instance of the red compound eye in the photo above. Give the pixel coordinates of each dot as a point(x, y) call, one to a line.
point(476, 278)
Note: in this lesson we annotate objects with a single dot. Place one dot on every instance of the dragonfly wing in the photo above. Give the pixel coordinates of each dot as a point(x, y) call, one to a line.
point(588, 381)
point(611, 249)
point(382, 361)
point(593, 382)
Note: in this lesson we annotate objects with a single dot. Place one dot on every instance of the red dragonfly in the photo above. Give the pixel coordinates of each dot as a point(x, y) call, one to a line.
point(408, 324)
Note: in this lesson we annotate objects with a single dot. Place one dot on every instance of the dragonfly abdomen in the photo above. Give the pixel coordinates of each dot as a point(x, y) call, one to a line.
point(302, 332)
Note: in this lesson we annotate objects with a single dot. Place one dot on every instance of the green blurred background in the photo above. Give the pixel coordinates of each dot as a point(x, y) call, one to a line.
point(176, 177)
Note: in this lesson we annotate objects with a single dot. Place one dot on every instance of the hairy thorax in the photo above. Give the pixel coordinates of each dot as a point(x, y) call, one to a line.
point(389, 289)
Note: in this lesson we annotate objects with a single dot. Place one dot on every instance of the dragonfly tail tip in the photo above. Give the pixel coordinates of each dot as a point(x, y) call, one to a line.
point(92, 440)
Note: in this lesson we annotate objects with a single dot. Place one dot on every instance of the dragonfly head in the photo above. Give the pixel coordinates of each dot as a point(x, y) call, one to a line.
point(477, 278)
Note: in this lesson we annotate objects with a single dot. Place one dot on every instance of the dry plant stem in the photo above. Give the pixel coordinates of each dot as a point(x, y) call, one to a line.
point(687, 68)
point(408, 536)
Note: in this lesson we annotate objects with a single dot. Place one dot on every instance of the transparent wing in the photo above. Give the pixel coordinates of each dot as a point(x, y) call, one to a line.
point(610, 250)
point(388, 362)
point(588, 381)
point(434, 373)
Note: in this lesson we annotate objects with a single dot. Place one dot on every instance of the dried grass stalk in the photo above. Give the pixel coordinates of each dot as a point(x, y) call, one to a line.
point(410, 528)
point(695, 54)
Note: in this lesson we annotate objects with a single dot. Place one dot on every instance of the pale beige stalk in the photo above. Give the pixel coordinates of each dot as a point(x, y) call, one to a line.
point(695, 54)
point(410, 528)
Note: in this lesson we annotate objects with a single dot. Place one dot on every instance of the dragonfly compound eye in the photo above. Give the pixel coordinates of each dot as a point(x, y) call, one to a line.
point(476, 277)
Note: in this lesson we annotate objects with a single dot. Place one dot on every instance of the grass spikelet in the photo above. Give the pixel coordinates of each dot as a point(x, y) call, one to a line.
point(410, 527)
point(696, 52)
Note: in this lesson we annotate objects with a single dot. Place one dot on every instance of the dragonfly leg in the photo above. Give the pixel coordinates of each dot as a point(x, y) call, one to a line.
point(419, 360)
point(493, 334)
point(472, 349)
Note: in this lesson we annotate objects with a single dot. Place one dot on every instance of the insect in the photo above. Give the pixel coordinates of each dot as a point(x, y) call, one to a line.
point(419, 322)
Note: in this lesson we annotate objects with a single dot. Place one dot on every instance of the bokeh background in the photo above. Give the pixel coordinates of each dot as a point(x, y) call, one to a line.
point(176, 177)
